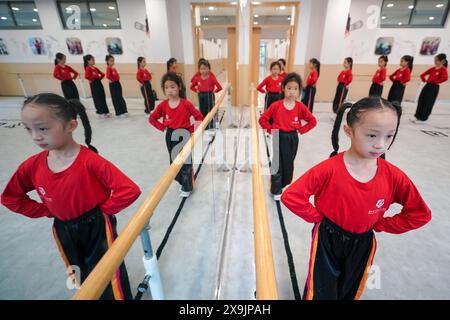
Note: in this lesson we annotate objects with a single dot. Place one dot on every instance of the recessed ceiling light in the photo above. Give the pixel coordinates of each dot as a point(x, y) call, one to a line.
point(410, 7)
point(105, 25)
point(68, 9)
point(282, 7)
point(35, 10)
point(211, 8)
point(234, 3)
point(76, 20)
point(256, 2)
point(400, 23)
point(255, 22)
point(440, 5)
point(390, 5)
point(118, 19)
point(93, 9)
point(431, 18)
point(15, 8)
point(206, 18)
point(289, 18)
point(4, 18)
point(256, 15)
point(383, 17)
point(34, 20)
point(111, 8)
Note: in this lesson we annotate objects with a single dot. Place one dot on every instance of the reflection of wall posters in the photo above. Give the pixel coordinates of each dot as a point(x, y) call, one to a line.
point(3, 48)
point(430, 46)
point(114, 45)
point(74, 46)
point(384, 45)
point(37, 45)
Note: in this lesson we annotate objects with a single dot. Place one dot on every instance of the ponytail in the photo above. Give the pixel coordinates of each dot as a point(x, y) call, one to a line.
point(442, 57)
point(81, 111)
point(337, 127)
point(410, 60)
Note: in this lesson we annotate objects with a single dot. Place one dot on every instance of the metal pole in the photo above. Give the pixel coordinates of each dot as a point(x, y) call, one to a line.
point(21, 83)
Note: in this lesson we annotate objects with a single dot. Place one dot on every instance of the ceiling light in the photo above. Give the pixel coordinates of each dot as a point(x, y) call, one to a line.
point(410, 7)
point(211, 8)
point(440, 5)
point(256, 3)
point(383, 17)
point(105, 25)
point(234, 3)
point(256, 22)
point(282, 7)
point(400, 23)
point(34, 20)
point(4, 18)
point(431, 18)
point(390, 5)
point(256, 15)
point(111, 8)
point(93, 9)
point(35, 10)
point(15, 8)
point(118, 19)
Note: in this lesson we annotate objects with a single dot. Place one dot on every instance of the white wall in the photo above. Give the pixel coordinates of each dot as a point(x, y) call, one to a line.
point(134, 42)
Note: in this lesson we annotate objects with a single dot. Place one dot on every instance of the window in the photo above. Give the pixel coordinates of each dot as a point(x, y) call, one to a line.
point(19, 15)
point(414, 13)
point(89, 14)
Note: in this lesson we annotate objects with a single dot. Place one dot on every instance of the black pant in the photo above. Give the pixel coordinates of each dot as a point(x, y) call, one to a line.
point(283, 160)
point(376, 90)
point(176, 139)
point(308, 98)
point(120, 106)
point(271, 97)
point(98, 94)
point(149, 98)
point(339, 262)
point(339, 97)
point(207, 101)
point(82, 242)
point(427, 98)
point(69, 90)
point(396, 92)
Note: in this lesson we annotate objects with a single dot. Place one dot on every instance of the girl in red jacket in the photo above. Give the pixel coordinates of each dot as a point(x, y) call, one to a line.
point(400, 78)
point(95, 76)
point(78, 188)
point(272, 85)
point(176, 113)
point(352, 191)
point(144, 77)
point(115, 88)
point(344, 79)
point(206, 85)
point(66, 75)
point(284, 118)
point(433, 78)
point(376, 89)
point(310, 90)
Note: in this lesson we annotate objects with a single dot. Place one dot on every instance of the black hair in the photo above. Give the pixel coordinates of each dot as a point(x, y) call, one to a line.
point(316, 63)
point(442, 57)
point(171, 76)
point(107, 57)
point(65, 110)
point(205, 63)
point(384, 58)
point(368, 103)
point(282, 61)
point(139, 60)
point(200, 62)
point(86, 58)
point(275, 63)
point(170, 63)
point(410, 60)
point(350, 61)
point(291, 77)
point(59, 56)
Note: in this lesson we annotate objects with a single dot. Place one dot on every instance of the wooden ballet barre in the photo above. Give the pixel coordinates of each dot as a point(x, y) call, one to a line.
point(98, 279)
point(266, 285)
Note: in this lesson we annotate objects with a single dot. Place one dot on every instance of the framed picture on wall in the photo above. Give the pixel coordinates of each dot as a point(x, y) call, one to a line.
point(37, 46)
point(114, 45)
point(3, 48)
point(74, 46)
point(384, 45)
point(430, 46)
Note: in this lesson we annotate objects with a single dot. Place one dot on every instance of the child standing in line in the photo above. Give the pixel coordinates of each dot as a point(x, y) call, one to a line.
point(283, 72)
point(400, 78)
point(352, 191)
point(376, 89)
point(433, 78)
point(78, 188)
point(310, 90)
point(285, 116)
point(115, 88)
point(206, 85)
point(272, 85)
point(95, 76)
point(144, 77)
point(176, 113)
point(66, 75)
point(344, 79)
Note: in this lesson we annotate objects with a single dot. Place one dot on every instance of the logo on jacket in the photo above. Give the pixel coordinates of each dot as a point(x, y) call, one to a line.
point(380, 203)
point(41, 191)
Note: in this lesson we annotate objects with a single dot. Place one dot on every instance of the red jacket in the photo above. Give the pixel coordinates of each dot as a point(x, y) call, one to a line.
point(89, 182)
point(435, 75)
point(64, 73)
point(379, 76)
point(402, 76)
point(272, 85)
point(287, 120)
point(92, 73)
point(210, 84)
point(112, 74)
point(345, 77)
point(356, 206)
point(143, 75)
point(312, 78)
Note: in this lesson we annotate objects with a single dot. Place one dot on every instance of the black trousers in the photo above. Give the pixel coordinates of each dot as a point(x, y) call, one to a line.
point(207, 101)
point(98, 94)
point(283, 160)
point(339, 263)
point(69, 90)
point(83, 242)
point(396, 92)
point(427, 99)
point(339, 97)
point(271, 97)
point(149, 98)
point(175, 141)
point(120, 106)
point(308, 98)
point(376, 90)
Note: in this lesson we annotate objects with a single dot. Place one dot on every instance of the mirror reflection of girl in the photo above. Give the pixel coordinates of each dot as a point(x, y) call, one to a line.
point(115, 88)
point(310, 90)
point(400, 78)
point(376, 89)
point(66, 75)
point(144, 77)
point(95, 76)
point(271, 85)
point(344, 79)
